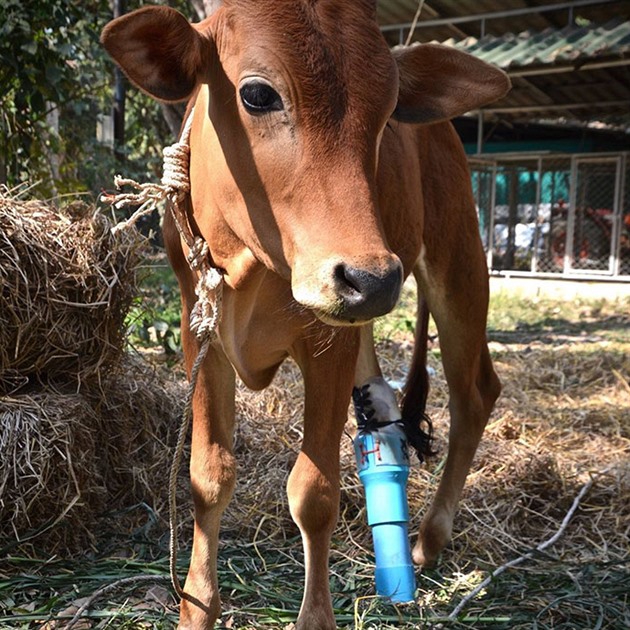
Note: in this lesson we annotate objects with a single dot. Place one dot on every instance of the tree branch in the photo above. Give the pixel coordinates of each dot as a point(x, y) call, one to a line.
point(547, 543)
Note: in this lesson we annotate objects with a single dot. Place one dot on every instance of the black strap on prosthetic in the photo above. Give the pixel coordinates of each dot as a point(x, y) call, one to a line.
point(417, 437)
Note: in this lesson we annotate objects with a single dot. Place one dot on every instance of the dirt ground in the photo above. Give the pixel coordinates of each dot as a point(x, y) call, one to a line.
point(561, 422)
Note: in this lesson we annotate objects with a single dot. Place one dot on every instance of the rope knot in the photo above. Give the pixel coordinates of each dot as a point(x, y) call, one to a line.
point(176, 161)
point(206, 312)
point(198, 253)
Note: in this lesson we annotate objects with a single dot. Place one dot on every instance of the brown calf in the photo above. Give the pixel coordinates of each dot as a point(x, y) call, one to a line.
point(323, 171)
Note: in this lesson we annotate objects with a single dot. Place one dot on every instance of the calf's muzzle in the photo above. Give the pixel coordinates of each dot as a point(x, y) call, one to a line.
point(364, 295)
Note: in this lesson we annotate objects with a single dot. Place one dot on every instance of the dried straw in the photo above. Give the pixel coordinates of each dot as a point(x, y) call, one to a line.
point(84, 428)
point(66, 284)
point(544, 441)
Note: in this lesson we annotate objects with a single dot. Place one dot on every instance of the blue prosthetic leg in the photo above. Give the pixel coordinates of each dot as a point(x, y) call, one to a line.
point(383, 462)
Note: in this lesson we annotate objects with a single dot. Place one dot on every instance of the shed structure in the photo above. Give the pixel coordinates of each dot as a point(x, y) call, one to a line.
point(550, 162)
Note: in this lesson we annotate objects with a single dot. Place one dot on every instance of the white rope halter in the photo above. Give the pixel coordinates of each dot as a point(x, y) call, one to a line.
point(174, 187)
point(206, 313)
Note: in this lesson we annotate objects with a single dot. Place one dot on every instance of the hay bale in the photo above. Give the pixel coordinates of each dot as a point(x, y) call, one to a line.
point(65, 459)
point(47, 464)
point(66, 285)
point(84, 429)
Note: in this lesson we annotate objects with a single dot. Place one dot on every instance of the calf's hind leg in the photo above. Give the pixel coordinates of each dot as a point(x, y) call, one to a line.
point(473, 389)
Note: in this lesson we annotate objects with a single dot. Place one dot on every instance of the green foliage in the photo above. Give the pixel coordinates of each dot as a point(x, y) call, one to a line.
point(155, 319)
point(50, 65)
point(56, 81)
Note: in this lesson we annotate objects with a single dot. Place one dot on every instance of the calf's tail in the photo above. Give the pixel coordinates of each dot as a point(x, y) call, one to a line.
point(417, 425)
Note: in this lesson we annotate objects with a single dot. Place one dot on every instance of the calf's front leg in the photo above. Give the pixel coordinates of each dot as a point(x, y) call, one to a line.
point(212, 475)
point(313, 485)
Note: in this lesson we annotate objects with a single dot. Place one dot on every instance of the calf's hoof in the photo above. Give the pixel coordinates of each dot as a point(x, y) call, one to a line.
point(434, 535)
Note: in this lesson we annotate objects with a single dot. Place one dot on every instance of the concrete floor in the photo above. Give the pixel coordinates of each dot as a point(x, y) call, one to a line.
point(560, 288)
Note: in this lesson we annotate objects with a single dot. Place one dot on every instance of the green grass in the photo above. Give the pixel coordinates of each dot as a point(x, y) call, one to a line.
point(535, 317)
point(39, 591)
point(547, 594)
point(581, 316)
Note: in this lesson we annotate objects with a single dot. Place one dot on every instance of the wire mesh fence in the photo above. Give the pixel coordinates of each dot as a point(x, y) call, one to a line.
point(555, 213)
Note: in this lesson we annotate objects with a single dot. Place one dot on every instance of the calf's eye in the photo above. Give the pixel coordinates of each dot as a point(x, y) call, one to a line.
point(260, 98)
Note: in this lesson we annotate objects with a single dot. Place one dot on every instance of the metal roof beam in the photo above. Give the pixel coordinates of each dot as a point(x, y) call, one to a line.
point(435, 14)
point(496, 14)
point(593, 65)
point(525, 109)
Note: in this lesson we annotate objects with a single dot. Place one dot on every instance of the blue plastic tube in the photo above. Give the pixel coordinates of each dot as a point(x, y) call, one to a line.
point(383, 463)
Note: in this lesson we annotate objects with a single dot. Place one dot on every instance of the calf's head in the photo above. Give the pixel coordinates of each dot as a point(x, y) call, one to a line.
point(292, 99)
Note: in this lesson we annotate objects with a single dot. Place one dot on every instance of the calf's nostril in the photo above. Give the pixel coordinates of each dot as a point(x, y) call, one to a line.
point(348, 280)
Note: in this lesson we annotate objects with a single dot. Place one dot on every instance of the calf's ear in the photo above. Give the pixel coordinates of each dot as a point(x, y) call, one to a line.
point(438, 83)
point(159, 50)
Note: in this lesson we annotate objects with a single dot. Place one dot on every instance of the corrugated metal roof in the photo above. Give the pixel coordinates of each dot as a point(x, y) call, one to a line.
point(567, 59)
point(570, 45)
point(533, 15)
